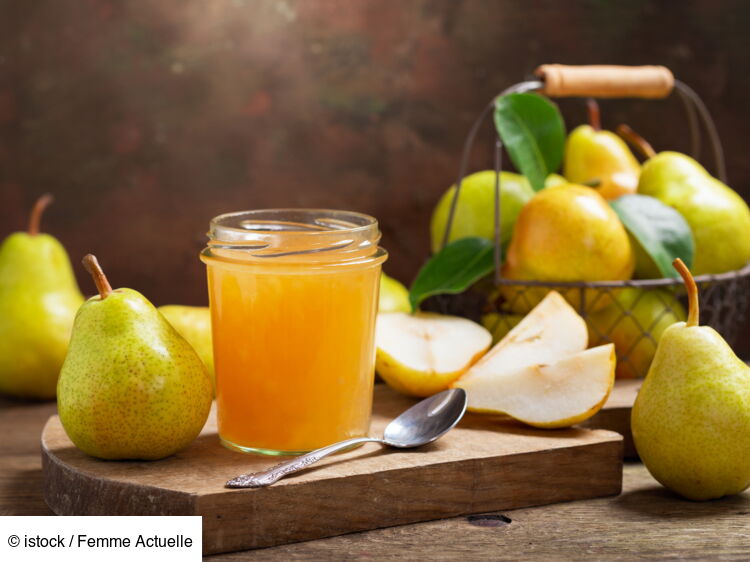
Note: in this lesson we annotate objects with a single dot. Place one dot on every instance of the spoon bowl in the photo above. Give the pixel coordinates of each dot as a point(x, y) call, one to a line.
point(427, 420)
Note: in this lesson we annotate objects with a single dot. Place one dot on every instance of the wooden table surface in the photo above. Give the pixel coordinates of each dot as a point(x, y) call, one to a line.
point(645, 521)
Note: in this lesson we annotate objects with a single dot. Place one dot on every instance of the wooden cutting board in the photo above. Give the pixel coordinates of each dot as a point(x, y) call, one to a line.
point(484, 464)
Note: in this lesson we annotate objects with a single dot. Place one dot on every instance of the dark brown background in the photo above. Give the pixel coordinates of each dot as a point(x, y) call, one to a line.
point(146, 118)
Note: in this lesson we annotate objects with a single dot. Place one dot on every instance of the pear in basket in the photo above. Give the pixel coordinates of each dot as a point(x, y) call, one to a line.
point(718, 217)
point(593, 155)
point(566, 233)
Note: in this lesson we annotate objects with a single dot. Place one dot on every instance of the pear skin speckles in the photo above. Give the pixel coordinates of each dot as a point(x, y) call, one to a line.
point(131, 387)
point(691, 419)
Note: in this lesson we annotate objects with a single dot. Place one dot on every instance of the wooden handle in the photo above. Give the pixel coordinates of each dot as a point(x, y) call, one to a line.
point(605, 81)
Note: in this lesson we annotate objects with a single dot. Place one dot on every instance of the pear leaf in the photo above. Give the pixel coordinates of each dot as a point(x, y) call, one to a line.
point(662, 232)
point(453, 269)
point(533, 132)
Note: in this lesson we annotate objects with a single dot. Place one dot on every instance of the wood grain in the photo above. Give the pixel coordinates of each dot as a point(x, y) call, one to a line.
point(482, 465)
point(605, 81)
point(21, 424)
point(645, 522)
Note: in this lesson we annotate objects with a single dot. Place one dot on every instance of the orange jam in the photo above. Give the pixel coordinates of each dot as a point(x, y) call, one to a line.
point(293, 297)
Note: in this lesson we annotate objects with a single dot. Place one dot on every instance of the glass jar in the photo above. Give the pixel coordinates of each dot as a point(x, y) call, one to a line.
point(293, 296)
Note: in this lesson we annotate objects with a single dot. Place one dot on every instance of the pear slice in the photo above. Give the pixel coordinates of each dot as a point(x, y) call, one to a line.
point(558, 394)
point(551, 331)
point(422, 354)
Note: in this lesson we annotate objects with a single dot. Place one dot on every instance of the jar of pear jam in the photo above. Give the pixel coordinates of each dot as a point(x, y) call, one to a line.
point(293, 296)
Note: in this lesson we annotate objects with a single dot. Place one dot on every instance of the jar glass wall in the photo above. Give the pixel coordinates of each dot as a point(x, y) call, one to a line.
point(293, 296)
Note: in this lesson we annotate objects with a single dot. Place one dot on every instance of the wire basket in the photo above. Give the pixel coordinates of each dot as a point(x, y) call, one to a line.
point(632, 313)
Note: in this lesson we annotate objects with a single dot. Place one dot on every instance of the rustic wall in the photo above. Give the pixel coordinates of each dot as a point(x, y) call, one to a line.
point(146, 118)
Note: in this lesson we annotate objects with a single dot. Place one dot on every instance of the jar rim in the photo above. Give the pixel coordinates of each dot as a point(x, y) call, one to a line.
point(322, 235)
point(248, 225)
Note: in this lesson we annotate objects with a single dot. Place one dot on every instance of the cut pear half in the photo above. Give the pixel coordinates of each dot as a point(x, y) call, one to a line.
point(558, 394)
point(551, 331)
point(422, 354)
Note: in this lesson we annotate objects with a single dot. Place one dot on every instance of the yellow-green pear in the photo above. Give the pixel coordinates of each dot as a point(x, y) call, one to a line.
point(718, 217)
point(39, 298)
point(635, 323)
point(194, 324)
point(691, 418)
point(593, 154)
point(475, 210)
point(131, 387)
point(394, 297)
point(565, 233)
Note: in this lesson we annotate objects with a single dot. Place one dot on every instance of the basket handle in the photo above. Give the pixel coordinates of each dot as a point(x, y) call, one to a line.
point(605, 81)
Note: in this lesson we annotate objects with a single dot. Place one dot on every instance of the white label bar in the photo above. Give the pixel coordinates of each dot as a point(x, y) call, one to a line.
point(100, 538)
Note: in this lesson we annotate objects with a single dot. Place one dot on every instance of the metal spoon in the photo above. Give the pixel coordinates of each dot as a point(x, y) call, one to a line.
point(423, 423)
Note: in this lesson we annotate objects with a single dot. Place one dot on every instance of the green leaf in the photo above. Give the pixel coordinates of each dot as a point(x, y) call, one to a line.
point(453, 269)
point(662, 231)
point(533, 133)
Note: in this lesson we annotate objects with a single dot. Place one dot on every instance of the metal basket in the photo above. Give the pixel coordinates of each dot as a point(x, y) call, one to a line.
point(724, 297)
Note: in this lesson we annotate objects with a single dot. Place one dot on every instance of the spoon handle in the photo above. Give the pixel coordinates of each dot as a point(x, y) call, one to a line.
point(268, 477)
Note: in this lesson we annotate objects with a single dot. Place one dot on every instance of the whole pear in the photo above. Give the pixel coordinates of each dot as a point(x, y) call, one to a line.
point(593, 154)
point(475, 210)
point(131, 387)
point(565, 233)
point(194, 324)
point(394, 297)
point(691, 418)
point(635, 323)
point(39, 298)
point(717, 215)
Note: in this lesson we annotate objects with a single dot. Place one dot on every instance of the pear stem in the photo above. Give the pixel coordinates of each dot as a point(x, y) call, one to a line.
point(36, 213)
point(636, 140)
point(95, 270)
point(595, 118)
point(692, 291)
